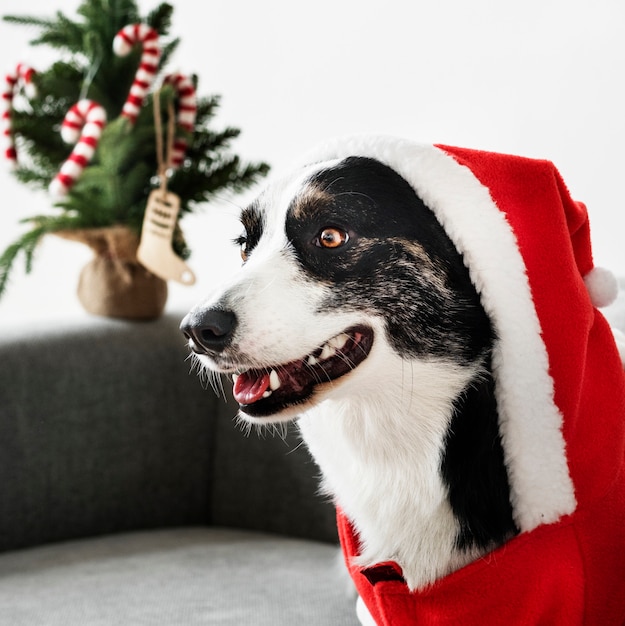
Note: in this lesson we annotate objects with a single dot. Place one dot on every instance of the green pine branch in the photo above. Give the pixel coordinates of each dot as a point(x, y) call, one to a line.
point(25, 245)
point(28, 20)
point(114, 187)
point(160, 18)
point(62, 34)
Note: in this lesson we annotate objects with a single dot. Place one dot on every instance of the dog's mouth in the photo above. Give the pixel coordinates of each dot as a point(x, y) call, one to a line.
point(267, 391)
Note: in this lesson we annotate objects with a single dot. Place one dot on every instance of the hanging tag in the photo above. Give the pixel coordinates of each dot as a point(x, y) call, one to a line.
point(155, 251)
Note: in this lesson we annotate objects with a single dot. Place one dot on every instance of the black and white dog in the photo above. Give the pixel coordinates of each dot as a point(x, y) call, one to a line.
point(428, 314)
point(355, 313)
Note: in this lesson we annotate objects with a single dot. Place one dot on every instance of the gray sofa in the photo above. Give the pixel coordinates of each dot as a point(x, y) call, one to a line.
point(128, 494)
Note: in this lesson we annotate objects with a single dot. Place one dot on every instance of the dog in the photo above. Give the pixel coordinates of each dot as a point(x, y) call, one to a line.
point(355, 313)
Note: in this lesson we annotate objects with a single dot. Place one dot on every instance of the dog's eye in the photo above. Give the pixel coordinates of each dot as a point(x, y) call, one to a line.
point(331, 237)
point(242, 243)
point(243, 249)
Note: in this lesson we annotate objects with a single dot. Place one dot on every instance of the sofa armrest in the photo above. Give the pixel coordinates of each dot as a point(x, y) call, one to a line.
point(265, 479)
point(101, 429)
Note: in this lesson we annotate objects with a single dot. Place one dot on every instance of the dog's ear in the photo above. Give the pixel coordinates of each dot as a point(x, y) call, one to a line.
point(474, 470)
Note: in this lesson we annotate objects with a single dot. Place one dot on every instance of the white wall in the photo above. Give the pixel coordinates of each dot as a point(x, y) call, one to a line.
point(541, 78)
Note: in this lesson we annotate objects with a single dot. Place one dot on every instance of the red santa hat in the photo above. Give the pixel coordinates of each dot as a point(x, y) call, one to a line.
point(559, 378)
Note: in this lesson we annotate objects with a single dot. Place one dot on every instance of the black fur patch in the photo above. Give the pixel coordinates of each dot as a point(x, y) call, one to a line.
point(398, 262)
point(399, 265)
point(474, 471)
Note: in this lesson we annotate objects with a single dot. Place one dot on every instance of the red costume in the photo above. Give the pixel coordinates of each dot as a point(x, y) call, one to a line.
point(561, 393)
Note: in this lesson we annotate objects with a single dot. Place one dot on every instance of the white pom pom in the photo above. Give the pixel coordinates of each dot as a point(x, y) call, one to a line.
point(602, 286)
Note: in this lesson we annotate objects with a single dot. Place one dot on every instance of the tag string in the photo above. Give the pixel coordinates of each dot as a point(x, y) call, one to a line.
point(164, 160)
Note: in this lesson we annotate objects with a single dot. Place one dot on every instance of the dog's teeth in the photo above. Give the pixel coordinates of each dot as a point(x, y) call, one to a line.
point(327, 352)
point(274, 380)
point(329, 349)
point(234, 377)
point(267, 393)
point(339, 341)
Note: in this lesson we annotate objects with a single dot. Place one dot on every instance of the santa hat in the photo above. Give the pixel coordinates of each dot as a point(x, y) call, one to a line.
point(526, 244)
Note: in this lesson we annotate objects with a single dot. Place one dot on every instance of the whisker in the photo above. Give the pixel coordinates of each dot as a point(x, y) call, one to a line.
point(218, 385)
point(341, 355)
point(297, 447)
point(354, 193)
point(314, 371)
point(280, 429)
point(332, 182)
point(244, 425)
point(226, 200)
point(404, 362)
point(269, 284)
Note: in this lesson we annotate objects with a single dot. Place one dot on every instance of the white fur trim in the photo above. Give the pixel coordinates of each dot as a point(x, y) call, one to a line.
point(530, 423)
point(602, 286)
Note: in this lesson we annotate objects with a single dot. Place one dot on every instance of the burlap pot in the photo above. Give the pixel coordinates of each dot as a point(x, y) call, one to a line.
point(114, 283)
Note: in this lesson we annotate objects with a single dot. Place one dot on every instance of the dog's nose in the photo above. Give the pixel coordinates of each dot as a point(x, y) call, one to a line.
point(208, 331)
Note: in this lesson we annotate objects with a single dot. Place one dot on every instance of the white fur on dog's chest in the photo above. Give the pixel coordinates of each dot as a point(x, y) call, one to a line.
point(379, 451)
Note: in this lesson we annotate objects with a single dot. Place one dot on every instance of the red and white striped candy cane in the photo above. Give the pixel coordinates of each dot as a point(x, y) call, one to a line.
point(123, 43)
point(20, 77)
point(83, 124)
point(187, 111)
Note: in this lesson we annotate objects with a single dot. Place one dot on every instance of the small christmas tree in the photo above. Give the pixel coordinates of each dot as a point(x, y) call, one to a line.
point(110, 182)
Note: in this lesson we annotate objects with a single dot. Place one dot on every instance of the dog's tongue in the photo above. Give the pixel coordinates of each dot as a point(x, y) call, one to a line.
point(250, 387)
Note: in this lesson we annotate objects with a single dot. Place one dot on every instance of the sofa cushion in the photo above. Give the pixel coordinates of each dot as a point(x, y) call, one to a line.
point(182, 576)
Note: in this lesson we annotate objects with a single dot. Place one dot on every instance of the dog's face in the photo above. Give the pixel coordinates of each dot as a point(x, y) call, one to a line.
point(346, 276)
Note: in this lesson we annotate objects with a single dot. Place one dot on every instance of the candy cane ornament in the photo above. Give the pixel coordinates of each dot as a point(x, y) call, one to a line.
point(82, 125)
point(186, 113)
point(123, 43)
point(20, 78)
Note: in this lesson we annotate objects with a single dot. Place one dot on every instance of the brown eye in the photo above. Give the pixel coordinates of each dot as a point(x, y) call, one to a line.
point(331, 237)
point(241, 241)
